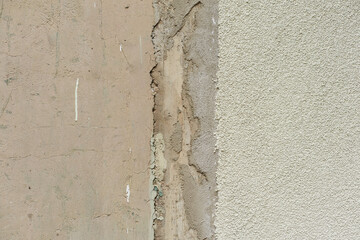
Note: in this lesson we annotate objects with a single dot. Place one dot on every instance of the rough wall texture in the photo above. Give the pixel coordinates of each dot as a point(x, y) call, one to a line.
point(289, 120)
point(185, 42)
point(67, 179)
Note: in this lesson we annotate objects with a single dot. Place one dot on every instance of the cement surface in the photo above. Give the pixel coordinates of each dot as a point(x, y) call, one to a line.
point(289, 120)
point(185, 41)
point(67, 179)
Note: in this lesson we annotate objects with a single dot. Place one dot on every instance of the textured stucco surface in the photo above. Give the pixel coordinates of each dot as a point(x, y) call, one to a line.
point(288, 107)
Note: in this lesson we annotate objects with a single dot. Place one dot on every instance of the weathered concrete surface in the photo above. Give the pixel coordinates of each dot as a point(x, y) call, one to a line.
point(185, 41)
point(62, 179)
point(289, 120)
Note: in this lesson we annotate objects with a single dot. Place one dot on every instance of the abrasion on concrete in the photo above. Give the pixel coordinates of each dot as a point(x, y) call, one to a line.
point(185, 43)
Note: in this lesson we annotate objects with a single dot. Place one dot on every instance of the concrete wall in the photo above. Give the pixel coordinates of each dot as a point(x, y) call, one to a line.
point(289, 120)
point(287, 108)
point(61, 178)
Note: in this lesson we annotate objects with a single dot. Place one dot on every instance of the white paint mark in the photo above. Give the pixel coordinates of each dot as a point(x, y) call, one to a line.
point(128, 193)
point(76, 103)
point(213, 21)
point(94, 4)
point(140, 43)
point(120, 48)
point(127, 230)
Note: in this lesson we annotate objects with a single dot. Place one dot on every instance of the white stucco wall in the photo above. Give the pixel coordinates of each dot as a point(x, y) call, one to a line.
point(288, 107)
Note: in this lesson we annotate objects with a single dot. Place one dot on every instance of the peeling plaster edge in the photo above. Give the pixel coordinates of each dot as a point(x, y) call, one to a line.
point(152, 193)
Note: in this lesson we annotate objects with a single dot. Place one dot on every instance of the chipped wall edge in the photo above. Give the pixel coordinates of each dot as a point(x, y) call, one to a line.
point(184, 160)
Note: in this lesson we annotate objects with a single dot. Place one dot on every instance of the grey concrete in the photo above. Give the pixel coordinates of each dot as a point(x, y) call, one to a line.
point(289, 120)
point(202, 50)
